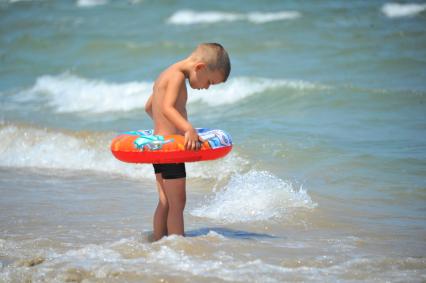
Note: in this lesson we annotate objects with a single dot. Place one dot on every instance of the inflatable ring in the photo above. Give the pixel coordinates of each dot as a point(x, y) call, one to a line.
point(145, 147)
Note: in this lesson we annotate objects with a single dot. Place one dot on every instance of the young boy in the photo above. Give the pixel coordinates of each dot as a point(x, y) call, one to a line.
point(207, 65)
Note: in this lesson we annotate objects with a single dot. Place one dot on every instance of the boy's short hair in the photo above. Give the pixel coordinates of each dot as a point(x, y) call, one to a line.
point(216, 58)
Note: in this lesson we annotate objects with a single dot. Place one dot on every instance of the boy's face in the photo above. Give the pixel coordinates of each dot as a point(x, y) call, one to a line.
point(203, 78)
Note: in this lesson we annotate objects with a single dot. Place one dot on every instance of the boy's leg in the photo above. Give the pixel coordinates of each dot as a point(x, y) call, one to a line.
point(176, 197)
point(160, 215)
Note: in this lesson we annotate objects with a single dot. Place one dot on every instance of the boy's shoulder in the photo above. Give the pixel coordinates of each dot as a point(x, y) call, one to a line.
point(171, 74)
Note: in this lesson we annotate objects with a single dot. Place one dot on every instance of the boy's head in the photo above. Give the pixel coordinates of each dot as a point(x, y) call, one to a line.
point(211, 65)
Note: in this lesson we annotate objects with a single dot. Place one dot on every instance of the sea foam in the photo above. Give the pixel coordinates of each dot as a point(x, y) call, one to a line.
point(190, 17)
point(396, 10)
point(206, 258)
point(242, 87)
point(253, 196)
point(260, 18)
point(79, 3)
point(67, 93)
point(29, 147)
point(90, 3)
point(138, 260)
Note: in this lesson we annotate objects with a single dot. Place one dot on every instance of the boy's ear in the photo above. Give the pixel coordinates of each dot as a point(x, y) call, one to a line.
point(199, 66)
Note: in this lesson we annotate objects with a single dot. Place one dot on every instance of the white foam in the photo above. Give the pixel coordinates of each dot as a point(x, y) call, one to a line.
point(92, 252)
point(219, 265)
point(67, 93)
point(261, 18)
point(190, 17)
point(79, 3)
point(254, 196)
point(16, 1)
point(239, 88)
point(396, 10)
point(165, 258)
point(187, 259)
point(40, 148)
point(90, 3)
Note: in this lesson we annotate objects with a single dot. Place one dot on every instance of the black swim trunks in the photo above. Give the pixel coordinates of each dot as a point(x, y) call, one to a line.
point(170, 170)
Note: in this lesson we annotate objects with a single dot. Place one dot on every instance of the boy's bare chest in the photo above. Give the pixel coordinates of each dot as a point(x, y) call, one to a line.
point(181, 98)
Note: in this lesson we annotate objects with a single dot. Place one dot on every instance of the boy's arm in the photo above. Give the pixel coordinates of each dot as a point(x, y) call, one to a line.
point(148, 106)
point(192, 140)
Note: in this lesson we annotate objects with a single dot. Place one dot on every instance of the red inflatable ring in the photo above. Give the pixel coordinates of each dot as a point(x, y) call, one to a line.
point(145, 147)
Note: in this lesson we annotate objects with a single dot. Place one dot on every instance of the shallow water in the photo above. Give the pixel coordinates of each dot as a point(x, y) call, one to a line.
point(325, 104)
point(74, 226)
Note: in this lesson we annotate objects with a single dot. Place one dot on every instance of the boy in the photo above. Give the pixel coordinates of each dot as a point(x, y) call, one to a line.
point(207, 65)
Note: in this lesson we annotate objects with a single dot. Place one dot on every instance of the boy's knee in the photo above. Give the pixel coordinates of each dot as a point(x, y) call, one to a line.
point(178, 204)
point(163, 203)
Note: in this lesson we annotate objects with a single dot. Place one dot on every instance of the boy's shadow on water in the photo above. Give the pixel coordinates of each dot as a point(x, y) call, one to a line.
point(228, 233)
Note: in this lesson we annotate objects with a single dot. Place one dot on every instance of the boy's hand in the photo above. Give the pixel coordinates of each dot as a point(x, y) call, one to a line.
point(192, 140)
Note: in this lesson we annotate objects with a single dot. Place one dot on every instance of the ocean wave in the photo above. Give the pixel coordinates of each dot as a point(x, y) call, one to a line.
point(190, 17)
point(30, 147)
point(16, 1)
point(240, 88)
point(67, 93)
point(206, 258)
point(396, 10)
point(260, 18)
point(140, 260)
point(264, 196)
point(78, 3)
point(90, 3)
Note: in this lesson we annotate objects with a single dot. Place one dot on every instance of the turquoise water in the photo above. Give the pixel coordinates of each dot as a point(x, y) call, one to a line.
point(325, 104)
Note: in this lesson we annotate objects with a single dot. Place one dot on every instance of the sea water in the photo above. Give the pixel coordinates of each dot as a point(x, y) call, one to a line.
point(325, 105)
